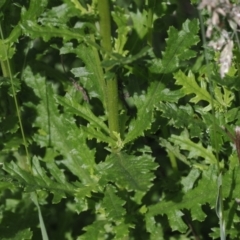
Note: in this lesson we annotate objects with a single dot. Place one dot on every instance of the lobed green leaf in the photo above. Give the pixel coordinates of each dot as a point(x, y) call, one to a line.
point(145, 105)
point(83, 111)
point(35, 30)
point(178, 48)
point(196, 150)
point(60, 131)
point(113, 205)
point(129, 171)
point(38, 180)
point(93, 80)
point(191, 87)
point(191, 200)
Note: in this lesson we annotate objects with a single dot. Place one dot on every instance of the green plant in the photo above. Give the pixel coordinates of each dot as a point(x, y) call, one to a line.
point(112, 124)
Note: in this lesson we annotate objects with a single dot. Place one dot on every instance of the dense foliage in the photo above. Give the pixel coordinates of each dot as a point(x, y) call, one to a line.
point(114, 123)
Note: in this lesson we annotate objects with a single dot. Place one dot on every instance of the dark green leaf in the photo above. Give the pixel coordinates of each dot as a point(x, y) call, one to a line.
point(53, 128)
point(113, 205)
point(178, 47)
point(145, 105)
point(129, 171)
point(191, 200)
point(93, 80)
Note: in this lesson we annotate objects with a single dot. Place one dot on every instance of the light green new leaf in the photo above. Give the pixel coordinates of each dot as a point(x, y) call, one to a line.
point(139, 20)
point(129, 171)
point(121, 19)
point(78, 6)
point(178, 47)
point(190, 86)
point(113, 205)
point(196, 150)
point(224, 96)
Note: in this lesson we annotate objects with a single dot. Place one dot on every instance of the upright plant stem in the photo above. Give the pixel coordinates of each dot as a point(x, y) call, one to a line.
point(111, 84)
point(151, 4)
point(105, 24)
point(219, 203)
point(6, 67)
point(7, 72)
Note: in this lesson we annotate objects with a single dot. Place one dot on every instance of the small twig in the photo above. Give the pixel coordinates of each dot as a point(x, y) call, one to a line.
point(79, 88)
point(75, 84)
point(237, 141)
point(188, 221)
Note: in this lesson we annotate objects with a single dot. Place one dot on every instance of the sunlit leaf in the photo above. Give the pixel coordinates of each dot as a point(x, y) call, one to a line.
point(121, 19)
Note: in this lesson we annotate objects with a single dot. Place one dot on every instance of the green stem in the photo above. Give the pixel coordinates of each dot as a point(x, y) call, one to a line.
point(4, 67)
point(151, 4)
point(111, 84)
point(105, 24)
point(112, 103)
point(7, 72)
point(97, 62)
point(173, 161)
point(219, 205)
